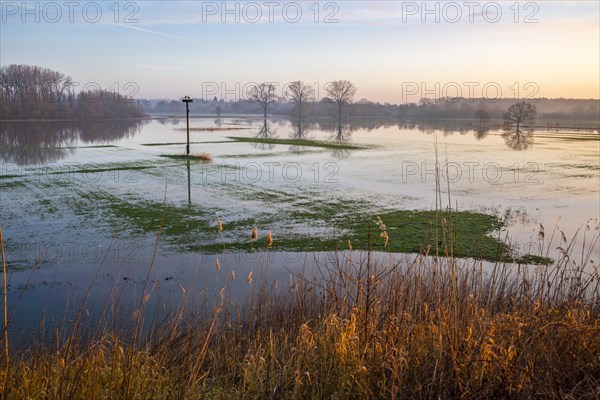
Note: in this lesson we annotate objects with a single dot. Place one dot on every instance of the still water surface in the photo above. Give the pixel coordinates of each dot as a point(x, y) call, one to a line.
point(60, 182)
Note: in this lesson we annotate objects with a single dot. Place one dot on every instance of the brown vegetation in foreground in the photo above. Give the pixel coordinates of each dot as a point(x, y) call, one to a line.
point(423, 327)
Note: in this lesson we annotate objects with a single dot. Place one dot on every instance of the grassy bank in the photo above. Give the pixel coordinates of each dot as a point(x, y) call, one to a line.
point(298, 142)
point(365, 329)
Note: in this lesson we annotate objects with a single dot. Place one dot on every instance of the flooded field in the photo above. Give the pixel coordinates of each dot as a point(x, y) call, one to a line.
point(115, 206)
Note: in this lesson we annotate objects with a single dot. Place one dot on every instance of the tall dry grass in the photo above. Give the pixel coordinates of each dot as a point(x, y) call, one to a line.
point(367, 326)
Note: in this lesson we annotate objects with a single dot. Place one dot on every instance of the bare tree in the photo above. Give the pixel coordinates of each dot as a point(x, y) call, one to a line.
point(28, 91)
point(340, 93)
point(519, 114)
point(483, 116)
point(263, 94)
point(299, 93)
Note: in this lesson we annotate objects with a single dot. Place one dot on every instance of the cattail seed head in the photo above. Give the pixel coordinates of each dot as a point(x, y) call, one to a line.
point(385, 236)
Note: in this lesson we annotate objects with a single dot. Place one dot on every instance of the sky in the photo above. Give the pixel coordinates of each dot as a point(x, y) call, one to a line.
point(393, 51)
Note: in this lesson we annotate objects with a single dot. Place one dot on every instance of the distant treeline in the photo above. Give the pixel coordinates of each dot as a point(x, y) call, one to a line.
point(426, 109)
point(31, 92)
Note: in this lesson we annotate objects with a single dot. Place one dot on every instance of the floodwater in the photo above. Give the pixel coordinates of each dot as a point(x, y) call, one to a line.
point(67, 192)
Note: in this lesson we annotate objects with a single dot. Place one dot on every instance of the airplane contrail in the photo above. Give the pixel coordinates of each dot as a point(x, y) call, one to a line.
point(137, 28)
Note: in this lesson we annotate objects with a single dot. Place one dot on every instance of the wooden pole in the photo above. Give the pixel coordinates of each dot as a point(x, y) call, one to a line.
point(187, 117)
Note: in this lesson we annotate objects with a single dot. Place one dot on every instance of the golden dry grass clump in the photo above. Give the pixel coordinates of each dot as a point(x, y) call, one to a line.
point(203, 156)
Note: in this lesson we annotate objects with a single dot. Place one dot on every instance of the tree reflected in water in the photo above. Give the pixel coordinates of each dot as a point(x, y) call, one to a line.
point(29, 143)
point(481, 132)
point(299, 129)
point(518, 139)
point(266, 131)
point(340, 133)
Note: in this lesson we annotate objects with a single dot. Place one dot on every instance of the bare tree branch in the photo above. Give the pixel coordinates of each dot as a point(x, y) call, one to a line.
point(519, 114)
point(263, 94)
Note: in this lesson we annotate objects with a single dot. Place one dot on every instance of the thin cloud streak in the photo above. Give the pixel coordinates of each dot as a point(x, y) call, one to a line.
point(137, 28)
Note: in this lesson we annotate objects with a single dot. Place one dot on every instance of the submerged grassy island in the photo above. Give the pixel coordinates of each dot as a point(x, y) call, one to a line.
point(190, 228)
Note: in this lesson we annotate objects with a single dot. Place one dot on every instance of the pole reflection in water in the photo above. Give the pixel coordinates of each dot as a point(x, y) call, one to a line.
point(189, 184)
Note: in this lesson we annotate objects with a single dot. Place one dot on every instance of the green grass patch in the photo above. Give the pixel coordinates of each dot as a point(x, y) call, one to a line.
point(11, 185)
point(184, 143)
point(298, 142)
point(271, 154)
point(213, 129)
point(184, 223)
point(190, 228)
point(182, 227)
point(408, 231)
point(191, 157)
point(96, 170)
point(533, 259)
point(104, 146)
point(574, 137)
point(306, 221)
point(586, 167)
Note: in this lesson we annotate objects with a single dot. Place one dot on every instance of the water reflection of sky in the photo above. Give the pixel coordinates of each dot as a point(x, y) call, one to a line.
point(56, 246)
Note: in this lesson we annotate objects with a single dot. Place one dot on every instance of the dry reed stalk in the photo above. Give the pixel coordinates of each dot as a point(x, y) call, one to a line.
point(5, 298)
